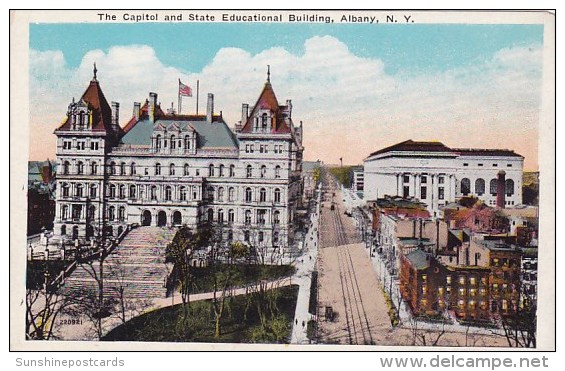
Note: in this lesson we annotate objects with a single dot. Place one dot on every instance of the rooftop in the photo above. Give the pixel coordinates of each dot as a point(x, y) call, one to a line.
point(419, 259)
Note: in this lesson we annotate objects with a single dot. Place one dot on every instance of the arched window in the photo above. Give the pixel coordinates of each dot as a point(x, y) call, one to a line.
point(122, 191)
point(263, 195)
point(277, 171)
point(63, 230)
point(261, 236)
point(231, 194)
point(263, 171)
point(112, 169)
point(121, 213)
point(186, 169)
point(93, 191)
point(210, 215)
point(248, 194)
point(232, 170)
point(168, 193)
point(277, 217)
point(264, 118)
point(221, 170)
point(221, 194)
point(153, 192)
point(210, 191)
point(158, 142)
point(91, 212)
point(465, 186)
point(132, 168)
point(480, 186)
point(112, 191)
point(64, 212)
point(493, 186)
point(249, 171)
point(183, 193)
point(132, 192)
point(65, 190)
point(172, 169)
point(93, 167)
point(231, 216)
point(111, 213)
point(123, 168)
point(277, 195)
point(275, 237)
point(66, 166)
point(247, 216)
point(79, 190)
point(157, 169)
point(246, 236)
point(221, 216)
point(173, 142)
point(186, 142)
point(80, 167)
point(211, 170)
point(509, 187)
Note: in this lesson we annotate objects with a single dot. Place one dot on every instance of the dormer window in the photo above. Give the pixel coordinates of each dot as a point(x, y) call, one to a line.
point(264, 119)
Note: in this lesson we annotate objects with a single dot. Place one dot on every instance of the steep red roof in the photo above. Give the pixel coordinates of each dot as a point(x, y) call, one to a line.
point(101, 111)
point(412, 146)
point(143, 114)
point(268, 100)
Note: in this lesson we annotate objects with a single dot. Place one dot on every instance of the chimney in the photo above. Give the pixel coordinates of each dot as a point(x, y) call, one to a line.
point(152, 105)
point(115, 113)
point(289, 105)
point(136, 109)
point(210, 108)
point(244, 113)
point(501, 189)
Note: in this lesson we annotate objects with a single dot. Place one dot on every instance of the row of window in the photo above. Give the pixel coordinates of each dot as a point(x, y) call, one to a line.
point(221, 170)
point(263, 148)
point(160, 142)
point(80, 145)
point(480, 164)
point(260, 216)
point(480, 187)
point(248, 194)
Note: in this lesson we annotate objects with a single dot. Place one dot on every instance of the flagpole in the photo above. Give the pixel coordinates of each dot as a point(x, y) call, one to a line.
point(197, 94)
point(179, 99)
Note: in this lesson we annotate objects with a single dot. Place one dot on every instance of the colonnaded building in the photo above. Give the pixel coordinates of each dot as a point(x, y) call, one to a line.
point(436, 175)
point(167, 169)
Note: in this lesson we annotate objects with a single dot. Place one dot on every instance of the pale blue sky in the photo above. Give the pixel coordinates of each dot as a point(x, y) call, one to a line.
point(357, 86)
point(191, 46)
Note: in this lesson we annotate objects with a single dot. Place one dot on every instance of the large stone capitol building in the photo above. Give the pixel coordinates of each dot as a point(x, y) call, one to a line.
point(169, 169)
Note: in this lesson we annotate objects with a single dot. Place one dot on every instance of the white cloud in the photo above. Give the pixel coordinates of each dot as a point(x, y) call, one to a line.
point(349, 105)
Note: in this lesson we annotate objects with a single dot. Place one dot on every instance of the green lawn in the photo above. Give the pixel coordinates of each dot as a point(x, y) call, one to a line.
point(246, 274)
point(241, 322)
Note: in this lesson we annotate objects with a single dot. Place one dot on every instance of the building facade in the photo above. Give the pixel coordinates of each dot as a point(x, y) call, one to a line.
point(437, 175)
point(165, 169)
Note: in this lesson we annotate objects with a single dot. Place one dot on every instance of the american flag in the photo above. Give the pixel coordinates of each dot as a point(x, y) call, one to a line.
point(185, 89)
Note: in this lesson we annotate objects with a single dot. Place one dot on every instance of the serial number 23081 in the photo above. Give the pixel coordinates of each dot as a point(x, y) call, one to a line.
point(71, 321)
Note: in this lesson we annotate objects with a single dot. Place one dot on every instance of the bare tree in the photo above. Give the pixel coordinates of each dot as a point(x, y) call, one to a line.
point(43, 307)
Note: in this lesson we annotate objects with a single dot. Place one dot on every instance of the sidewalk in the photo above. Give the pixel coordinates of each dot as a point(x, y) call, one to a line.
point(305, 265)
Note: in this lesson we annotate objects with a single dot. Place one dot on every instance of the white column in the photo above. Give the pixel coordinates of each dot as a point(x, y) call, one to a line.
point(452, 187)
point(398, 184)
point(417, 187)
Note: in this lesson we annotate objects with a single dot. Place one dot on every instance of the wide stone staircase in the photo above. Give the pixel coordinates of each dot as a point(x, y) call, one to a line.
point(136, 266)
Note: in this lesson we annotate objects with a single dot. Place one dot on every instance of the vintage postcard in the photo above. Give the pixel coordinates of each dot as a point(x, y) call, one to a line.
point(293, 180)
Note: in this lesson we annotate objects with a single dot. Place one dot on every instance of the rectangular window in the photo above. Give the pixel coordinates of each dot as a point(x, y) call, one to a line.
point(465, 164)
point(508, 165)
point(441, 180)
point(479, 164)
point(424, 179)
point(406, 178)
point(423, 193)
point(494, 165)
point(406, 192)
point(440, 193)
